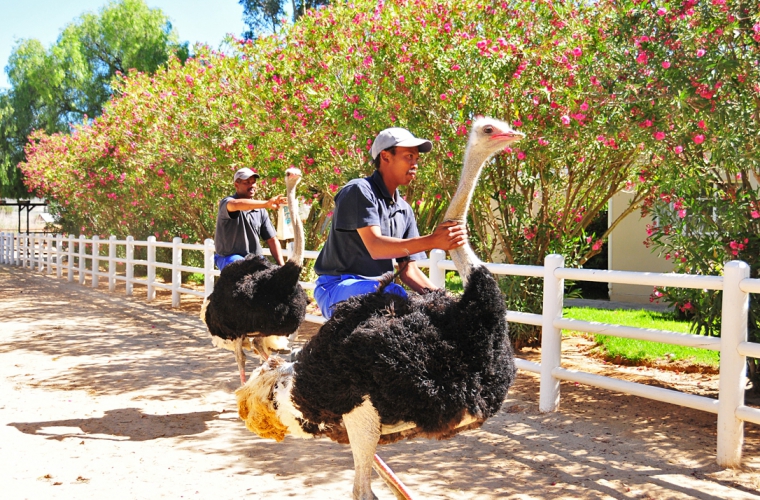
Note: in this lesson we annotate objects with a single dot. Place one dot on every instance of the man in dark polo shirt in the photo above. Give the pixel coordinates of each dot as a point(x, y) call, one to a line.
point(242, 221)
point(372, 224)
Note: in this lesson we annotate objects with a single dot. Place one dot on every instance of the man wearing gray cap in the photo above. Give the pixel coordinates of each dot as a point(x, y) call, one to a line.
point(242, 221)
point(372, 225)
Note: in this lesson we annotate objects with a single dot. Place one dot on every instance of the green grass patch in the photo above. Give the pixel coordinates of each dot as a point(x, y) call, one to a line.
point(638, 351)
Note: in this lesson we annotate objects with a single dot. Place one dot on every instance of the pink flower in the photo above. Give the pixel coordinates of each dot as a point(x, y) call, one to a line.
point(333, 187)
point(584, 106)
point(642, 58)
point(401, 78)
point(565, 120)
point(517, 123)
point(678, 150)
point(444, 97)
point(699, 139)
point(542, 141)
point(701, 124)
point(520, 155)
point(665, 64)
point(577, 52)
point(659, 135)
point(357, 115)
point(682, 213)
point(597, 245)
point(438, 196)
point(336, 170)
point(325, 104)
point(455, 67)
point(755, 214)
point(701, 52)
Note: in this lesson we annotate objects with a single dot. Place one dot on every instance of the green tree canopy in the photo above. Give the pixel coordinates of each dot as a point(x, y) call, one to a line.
point(72, 80)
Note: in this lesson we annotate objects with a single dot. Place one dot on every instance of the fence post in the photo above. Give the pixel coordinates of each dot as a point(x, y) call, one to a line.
point(36, 262)
point(48, 243)
point(22, 249)
point(81, 259)
point(551, 337)
point(208, 266)
point(15, 249)
point(176, 273)
point(130, 271)
point(70, 258)
point(733, 330)
point(58, 256)
point(437, 275)
point(2, 247)
point(111, 263)
point(151, 268)
point(95, 260)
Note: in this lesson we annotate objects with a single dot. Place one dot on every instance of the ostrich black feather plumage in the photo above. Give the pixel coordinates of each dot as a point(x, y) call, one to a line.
point(254, 295)
point(427, 359)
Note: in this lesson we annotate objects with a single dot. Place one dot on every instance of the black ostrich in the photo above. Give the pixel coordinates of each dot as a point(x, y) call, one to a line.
point(256, 303)
point(385, 368)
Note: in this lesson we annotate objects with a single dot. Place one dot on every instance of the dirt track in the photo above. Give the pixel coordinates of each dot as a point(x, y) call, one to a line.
point(104, 396)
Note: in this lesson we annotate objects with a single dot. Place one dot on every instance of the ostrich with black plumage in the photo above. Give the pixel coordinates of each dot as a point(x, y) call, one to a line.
point(385, 368)
point(256, 304)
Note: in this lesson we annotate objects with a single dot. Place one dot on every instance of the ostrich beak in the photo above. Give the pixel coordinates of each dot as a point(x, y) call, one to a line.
point(511, 136)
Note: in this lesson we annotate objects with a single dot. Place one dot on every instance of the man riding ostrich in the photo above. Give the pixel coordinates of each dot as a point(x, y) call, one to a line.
point(257, 304)
point(386, 367)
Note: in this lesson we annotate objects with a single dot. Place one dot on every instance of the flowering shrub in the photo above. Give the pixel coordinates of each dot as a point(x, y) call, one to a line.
point(607, 94)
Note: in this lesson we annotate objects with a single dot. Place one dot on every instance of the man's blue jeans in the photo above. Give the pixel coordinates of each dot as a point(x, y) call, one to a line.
point(222, 261)
point(330, 290)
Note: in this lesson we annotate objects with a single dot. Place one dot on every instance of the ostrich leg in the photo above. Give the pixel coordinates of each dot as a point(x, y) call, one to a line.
point(240, 358)
point(363, 427)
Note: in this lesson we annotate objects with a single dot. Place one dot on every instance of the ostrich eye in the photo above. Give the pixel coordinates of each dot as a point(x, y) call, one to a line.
point(274, 405)
point(488, 130)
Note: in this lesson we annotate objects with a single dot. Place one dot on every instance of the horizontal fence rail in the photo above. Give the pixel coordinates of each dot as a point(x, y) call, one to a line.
point(114, 260)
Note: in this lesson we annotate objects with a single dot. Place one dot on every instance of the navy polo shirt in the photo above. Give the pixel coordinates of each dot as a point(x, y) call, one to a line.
point(363, 203)
point(239, 232)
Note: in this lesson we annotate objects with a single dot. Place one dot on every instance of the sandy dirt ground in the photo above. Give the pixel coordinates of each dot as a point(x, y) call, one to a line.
point(105, 396)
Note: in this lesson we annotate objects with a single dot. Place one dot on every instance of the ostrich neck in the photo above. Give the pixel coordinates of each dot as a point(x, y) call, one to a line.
point(464, 258)
point(295, 217)
point(460, 203)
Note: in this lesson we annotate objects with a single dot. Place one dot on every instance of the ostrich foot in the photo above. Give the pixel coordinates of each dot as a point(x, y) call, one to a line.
point(363, 428)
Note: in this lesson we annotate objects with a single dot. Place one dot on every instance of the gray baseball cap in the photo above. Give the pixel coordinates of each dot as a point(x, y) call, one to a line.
point(245, 173)
point(398, 137)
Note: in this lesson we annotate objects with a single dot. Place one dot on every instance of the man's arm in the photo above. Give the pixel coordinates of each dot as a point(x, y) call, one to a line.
point(236, 205)
point(414, 278)
point(274, 247)
point(447, 236)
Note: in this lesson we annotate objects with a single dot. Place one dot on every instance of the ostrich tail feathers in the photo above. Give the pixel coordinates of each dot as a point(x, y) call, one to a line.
point(385, 280)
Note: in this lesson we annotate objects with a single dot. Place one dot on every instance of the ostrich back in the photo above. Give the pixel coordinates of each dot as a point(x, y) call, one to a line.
point(256, 296)
point(426, 359)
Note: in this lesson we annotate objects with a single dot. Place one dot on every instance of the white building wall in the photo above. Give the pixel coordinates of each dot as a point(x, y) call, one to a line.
point(626, 252)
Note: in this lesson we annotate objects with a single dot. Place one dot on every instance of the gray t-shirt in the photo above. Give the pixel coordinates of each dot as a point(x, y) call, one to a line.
point(238, 233)
point(362, 203)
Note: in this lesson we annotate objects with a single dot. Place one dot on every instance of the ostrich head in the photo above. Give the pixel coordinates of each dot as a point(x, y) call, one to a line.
point(292, 178)
point(487, 137)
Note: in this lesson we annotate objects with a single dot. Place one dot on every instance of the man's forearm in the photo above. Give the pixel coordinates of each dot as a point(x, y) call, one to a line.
point(274, 247)
point(415, 279)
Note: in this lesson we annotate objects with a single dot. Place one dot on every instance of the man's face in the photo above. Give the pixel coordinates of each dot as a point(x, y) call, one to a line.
point(244, 188)
point(402, 166)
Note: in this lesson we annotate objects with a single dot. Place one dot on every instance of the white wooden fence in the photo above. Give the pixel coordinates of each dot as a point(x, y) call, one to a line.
point(47, 252)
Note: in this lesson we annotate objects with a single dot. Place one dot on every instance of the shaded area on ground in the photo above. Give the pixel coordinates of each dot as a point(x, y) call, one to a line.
point(105, 393)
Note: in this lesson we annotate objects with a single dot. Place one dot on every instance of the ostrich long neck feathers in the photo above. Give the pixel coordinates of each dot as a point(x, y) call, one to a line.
point(488, 136)
point(293, 176)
